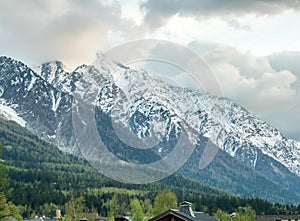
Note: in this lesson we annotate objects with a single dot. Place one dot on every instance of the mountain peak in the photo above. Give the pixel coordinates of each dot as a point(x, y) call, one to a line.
point(151, 108)
point(53, 72)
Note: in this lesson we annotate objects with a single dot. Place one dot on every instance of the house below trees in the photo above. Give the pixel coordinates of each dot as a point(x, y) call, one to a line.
point(185, 213)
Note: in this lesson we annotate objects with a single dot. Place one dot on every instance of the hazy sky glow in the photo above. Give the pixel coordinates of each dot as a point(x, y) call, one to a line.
point(253, 47)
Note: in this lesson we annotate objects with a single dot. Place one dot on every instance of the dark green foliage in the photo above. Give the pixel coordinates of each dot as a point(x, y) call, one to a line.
point(3, 175)
point(6, 208)
point(3, 186)
point(164, 200)
point(227, 173)
point(44, 178)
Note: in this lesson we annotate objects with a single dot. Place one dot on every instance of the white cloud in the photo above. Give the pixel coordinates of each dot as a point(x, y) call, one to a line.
point(254, 83)
point(287, 60)
point(71, 31)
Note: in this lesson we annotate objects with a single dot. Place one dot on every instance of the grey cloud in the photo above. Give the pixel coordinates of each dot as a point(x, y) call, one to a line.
point(267, 86)
point(234, 23)
point(69, 30)
point(159, 11)
point(287, 60)
point(249, 65)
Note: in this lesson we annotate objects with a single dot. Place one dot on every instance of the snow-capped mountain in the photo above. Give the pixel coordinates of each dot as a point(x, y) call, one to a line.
point(243, 135)
point(154, 111)
point(229, 126)
point(53, 72)
point(45, 109)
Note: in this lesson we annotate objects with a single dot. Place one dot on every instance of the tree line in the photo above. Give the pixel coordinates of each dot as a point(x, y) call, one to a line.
point(36, 179)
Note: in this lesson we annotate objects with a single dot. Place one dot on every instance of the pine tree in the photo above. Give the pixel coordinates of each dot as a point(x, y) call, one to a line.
point(136, 210)
point(3, 187)
point(164, 201)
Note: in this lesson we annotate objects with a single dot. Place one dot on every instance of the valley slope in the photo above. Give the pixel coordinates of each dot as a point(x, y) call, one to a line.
point(253, 160)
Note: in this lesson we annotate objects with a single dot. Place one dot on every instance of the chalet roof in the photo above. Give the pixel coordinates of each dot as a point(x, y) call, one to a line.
point(198, 216)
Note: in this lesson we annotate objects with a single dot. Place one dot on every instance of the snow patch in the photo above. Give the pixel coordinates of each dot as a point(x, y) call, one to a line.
point(33, 79)
point(51, 137)
point(11, 114)
point(1, 90)
point(55, 102)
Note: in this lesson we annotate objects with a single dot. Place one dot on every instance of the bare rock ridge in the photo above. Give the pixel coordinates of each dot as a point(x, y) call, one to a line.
point(156, 111)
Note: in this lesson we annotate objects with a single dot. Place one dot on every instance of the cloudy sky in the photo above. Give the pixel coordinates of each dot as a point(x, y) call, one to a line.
point(252, 46)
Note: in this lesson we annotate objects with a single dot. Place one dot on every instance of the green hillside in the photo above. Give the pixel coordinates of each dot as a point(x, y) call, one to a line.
point(43, 179)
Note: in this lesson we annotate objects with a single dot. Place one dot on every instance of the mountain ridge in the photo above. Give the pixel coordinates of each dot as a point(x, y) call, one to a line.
point(231, 127)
